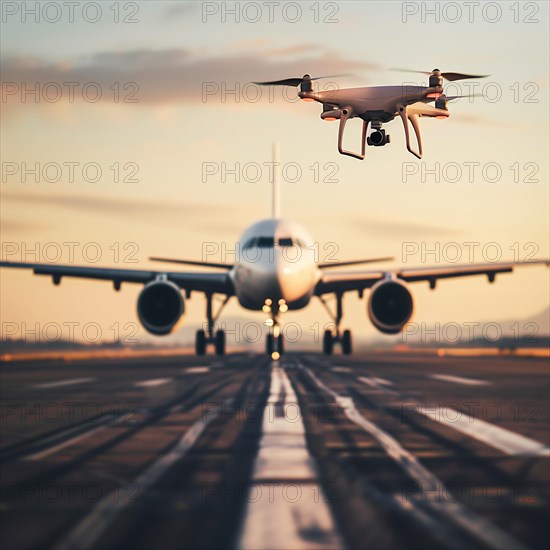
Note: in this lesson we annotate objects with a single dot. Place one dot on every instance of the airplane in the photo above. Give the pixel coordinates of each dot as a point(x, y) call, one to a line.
point(377, 105)
point(276, 270)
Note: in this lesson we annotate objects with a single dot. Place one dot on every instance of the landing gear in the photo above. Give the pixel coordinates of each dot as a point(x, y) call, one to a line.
point(274, 345)
point(328, 342)
point(281, 342)
point(220, 342)
point(200, 342)
point(203, 338)
point(269, 344)
point(330, 338)
point(346, 342)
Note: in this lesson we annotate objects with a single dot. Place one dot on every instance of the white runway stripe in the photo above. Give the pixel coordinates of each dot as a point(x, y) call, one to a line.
point(502, 439)
point(460, 380)
point(482, 529)
point(280, 514)
point(195, 370)
point(61, 383)
point(87, 532)
point(153, 383)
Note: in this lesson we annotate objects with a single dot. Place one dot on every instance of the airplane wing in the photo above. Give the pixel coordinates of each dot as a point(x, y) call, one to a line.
point(346, 281)
point(219, 283)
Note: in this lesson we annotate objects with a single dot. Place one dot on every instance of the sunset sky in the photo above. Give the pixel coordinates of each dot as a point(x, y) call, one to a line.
point(166, 137)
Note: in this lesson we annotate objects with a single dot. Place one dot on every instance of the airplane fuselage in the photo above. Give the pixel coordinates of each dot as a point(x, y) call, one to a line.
point(276, 261)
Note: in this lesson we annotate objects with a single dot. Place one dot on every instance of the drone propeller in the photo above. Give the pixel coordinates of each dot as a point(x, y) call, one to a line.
point(447, 76)
point(296, 81)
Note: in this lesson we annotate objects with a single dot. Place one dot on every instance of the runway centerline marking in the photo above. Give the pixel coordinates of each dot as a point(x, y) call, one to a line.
point(61, 383)
point(341, 369)
point(468, 520)
point(195, 370)
point(274, 518)
point(500, 438)
point(89, 529)
point(153, 383)
point(460, 380)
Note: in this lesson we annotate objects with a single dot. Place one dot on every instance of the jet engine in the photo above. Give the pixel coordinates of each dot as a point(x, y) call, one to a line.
point(390, 306)
point(160, 306)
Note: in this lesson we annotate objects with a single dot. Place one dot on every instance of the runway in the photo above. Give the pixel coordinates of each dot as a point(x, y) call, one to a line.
point(386, 450)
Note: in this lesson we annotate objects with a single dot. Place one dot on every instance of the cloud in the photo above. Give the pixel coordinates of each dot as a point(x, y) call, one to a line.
point(402, 229)
point(173, 75)
point(19, 226)
point(180, 9)
point(173, 213)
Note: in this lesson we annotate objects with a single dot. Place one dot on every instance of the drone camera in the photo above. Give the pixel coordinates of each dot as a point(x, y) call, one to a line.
point(378, 138)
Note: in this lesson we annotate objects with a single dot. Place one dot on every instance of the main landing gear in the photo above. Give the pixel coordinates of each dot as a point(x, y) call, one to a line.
point(330, 338)
point(208, 336)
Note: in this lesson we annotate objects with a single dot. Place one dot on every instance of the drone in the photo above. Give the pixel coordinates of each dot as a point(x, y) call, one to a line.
point(377, 105)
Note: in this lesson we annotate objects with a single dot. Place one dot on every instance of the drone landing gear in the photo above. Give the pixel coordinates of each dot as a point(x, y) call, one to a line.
point(407, 115)
point(330, 338)
point(203, 338)
point(347, 113)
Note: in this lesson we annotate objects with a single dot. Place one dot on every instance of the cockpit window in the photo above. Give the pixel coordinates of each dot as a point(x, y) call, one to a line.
point(265, 242)
point(286, 242)
point(269, 242)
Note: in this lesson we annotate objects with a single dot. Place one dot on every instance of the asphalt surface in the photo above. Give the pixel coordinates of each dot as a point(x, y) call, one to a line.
point(371, 451)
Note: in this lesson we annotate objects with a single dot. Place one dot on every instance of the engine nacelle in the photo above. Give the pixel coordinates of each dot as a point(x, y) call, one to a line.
point(390, 306)
point(160, 307)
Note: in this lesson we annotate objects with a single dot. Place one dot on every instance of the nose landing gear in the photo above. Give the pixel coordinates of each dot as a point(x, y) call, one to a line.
point(274, 342)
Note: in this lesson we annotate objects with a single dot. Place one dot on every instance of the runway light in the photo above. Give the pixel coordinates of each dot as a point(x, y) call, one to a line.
point(275, 356)
point(266, 309)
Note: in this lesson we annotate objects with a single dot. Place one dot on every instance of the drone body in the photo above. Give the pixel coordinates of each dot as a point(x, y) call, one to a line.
point(377, 105)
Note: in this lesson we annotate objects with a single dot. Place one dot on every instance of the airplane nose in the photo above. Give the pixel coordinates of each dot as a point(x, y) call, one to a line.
point(294, 279)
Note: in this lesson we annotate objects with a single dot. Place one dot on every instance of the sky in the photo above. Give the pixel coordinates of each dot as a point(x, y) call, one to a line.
point(150, 140)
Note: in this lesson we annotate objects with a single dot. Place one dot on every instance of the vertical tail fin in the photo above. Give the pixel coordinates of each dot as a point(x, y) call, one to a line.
point(276, 191)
